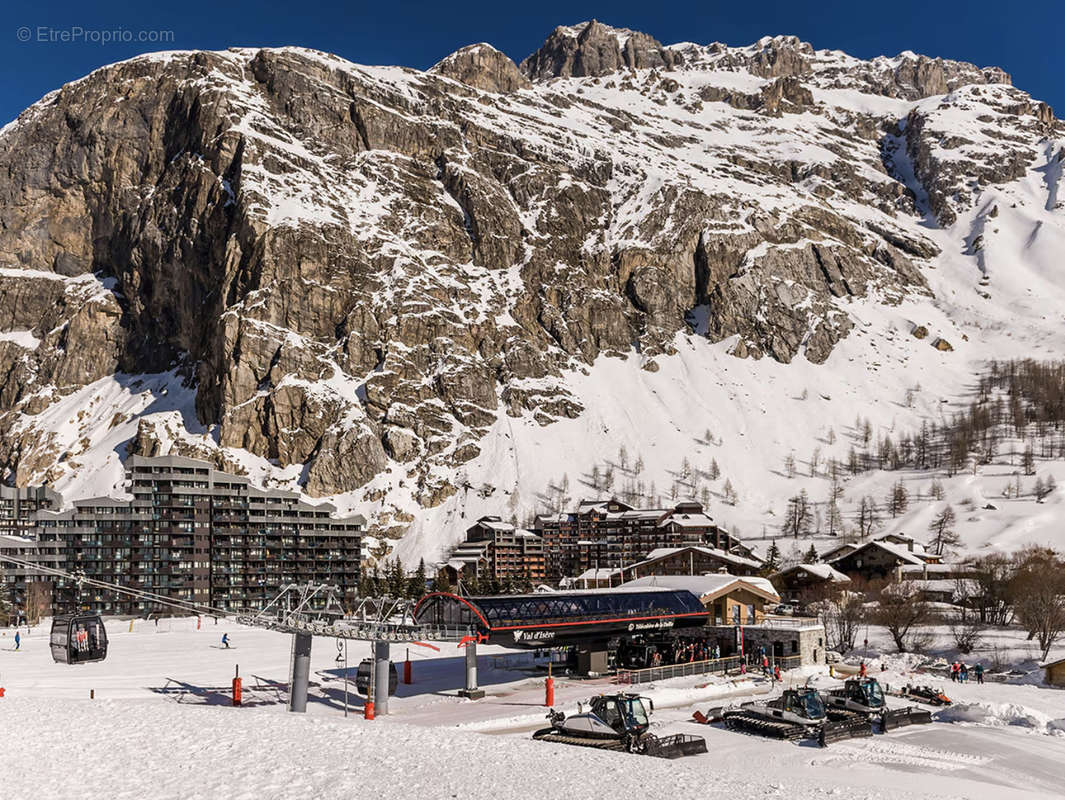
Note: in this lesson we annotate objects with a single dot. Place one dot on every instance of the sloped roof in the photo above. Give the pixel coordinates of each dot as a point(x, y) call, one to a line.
point(664, 552)
point(823, 571)
point(708, 587)
point(899, 552)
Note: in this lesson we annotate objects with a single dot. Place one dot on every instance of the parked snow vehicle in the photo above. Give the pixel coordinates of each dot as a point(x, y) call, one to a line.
point(924, 694)
point(865, 697)
point(796, 714)
point(618, 722)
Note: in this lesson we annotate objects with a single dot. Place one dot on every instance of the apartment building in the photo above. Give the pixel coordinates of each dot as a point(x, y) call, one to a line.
point(497, 550)
point(608, 534)
point(195, 533)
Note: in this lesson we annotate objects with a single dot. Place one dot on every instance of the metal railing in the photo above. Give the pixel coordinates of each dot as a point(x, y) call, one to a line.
point(650, 674)
point(715, 666)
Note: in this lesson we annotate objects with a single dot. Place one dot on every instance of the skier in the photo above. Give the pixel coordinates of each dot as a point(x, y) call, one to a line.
point(18, 640)
point(862, 671)
point(225, 640)
point(776, 673)
point(979, 670)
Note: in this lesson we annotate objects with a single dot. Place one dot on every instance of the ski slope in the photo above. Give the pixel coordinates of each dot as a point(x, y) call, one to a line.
point(161, 726)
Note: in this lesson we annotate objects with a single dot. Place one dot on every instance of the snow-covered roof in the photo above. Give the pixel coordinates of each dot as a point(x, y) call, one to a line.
point(723, 555)
point(602, 573)
point(896, 550)
point(708, 587)
point(687, 521)
point(823, 571)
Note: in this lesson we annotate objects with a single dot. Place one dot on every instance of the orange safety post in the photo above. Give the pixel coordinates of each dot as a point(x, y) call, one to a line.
point(237, 687)
point(367, 710)
point(407, 668)
point(1, 691)
point(549, 689)
point(198, 620)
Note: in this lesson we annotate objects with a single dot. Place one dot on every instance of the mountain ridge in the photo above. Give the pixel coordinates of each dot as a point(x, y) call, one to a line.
point(359, 270)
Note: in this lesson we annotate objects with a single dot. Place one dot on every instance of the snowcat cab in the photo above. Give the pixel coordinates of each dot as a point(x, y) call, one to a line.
point(796, 714)
point(863, 697)
point(858, 694)
point(618, 722)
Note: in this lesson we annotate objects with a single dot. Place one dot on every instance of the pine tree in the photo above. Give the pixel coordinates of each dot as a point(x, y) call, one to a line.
point(831, 437)
point(811, 556)
point(772, 558)
point(417, 582)
point(729, 493)
point(715, 470)
point(623, 457)
point(397, 579)
point(936, 489)
point(868, 517)
point(898, 499)
point(789, 465)
point(1028, 460)
point(595, 477)
point(942, 528)
point(1039, 490)
point(834, 519)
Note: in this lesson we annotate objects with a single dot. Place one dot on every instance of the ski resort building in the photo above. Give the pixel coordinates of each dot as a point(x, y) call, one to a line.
point(608, 534)
point(195, 533)
point(496, 550)
point(19, 505)
point(17, 583)
point(729, 599)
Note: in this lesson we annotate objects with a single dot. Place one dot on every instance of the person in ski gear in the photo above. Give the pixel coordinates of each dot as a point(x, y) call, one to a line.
point(776, 673)
point(18, 640)
point(225, 640)
point(862, 671)
point(979, 671)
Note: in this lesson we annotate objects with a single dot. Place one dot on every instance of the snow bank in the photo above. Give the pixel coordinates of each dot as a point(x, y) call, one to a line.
point(998, 715)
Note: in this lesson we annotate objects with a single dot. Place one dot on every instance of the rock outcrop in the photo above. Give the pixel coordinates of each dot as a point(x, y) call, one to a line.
point(593, 49)
point(483, 67)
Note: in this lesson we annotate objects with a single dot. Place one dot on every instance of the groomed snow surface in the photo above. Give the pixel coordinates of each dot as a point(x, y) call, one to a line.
point(161, 726)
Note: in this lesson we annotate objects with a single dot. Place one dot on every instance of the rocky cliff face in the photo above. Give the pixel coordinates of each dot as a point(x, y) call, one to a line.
point(358, 269)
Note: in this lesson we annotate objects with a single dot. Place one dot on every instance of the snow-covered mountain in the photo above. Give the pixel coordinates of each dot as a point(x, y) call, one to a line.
point(431, 295)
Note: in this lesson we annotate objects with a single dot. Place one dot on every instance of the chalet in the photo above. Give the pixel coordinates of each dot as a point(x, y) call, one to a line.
point(731, 599)
point(1054, 669)
point(602, 578)
point(691, 560)
point(802, 582)
point(875, 560)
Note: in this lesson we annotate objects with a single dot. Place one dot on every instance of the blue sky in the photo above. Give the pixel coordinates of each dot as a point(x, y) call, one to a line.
point(1022, 37)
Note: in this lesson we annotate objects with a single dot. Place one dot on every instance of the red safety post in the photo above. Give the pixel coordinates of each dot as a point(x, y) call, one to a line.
point(1, 691)
point(367, 710)
point(549, 689)
point(237, 688)
point(407, 668)
point(198, 621)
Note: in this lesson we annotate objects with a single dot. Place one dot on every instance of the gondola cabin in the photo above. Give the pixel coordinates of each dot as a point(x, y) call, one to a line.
point(78, 639)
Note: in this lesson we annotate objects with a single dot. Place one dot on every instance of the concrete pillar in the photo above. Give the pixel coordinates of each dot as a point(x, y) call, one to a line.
point(301, 671)
point(471, 691)
point(382, 674)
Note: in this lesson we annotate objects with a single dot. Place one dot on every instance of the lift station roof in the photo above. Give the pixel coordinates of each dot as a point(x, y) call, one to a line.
point(550, 618)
